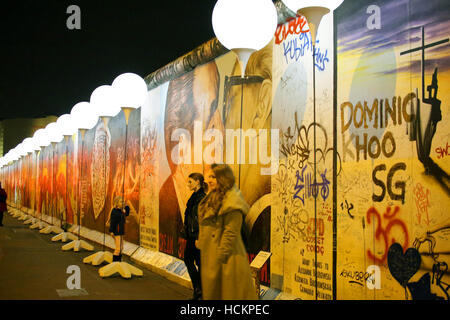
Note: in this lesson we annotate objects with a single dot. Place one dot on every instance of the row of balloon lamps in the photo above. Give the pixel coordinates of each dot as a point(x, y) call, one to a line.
point(242, 26)
point(247, 33)
point(127, 92)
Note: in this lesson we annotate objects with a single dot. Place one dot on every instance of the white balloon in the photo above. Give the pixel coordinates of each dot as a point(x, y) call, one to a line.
point(53, 132)
point(41, 137)
point(131, 90)
point(295, 5)
point(104, 100)
point(84, 115)
point(248, 24)
point(66, 125)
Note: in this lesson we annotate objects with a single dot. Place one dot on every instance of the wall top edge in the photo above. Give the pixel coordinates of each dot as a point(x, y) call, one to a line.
point(202, 54)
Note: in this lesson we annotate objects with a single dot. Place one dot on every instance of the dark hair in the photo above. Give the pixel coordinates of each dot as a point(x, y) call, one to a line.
point(225, 181)
point(199, 177)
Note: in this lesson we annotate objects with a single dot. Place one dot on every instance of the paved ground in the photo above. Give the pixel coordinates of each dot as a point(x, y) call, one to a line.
point(33, 267)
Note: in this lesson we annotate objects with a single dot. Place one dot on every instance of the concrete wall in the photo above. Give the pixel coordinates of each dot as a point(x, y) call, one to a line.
point(355, 207)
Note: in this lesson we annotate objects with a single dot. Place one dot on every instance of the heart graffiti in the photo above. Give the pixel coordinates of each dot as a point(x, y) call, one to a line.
point(403, 266)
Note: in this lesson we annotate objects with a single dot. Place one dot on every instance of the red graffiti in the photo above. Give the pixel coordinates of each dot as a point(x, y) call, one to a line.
point(166, 243)
point(384, 233)
point(295, 26)
point(422, 199)
point(442, 152)
point(264, 274)
point(181, 247)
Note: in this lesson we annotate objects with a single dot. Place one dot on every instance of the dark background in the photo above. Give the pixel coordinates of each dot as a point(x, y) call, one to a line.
point(47, 68)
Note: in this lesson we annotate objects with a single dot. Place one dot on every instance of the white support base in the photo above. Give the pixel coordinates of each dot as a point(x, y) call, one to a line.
point(76, 245)
point(46, 230)
point(51, 229)
point(56, 230)
point(64, 237)
point(126, 270)
point(23, 217)
point(30, 221)
point(16, 213)
point(99, 257)
point(38, 225)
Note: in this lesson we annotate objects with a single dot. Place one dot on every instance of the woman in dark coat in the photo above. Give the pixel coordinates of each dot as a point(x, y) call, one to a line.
point(190, 232)
point(117, 225)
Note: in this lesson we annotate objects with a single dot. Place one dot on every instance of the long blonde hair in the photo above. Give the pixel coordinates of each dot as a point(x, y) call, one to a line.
point(225, 181)
point(118, 202)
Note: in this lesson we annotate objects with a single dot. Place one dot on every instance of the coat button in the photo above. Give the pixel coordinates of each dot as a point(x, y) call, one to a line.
point(213, 235)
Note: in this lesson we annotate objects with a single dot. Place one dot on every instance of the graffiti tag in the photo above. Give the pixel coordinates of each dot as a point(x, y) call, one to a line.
point(384, 233)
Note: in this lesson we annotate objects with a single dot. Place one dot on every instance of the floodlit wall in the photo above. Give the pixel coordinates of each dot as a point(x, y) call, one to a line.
point(356, 203)
point(393, 133)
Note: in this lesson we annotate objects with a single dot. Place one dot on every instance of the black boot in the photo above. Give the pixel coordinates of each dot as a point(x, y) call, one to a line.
point(197, 294)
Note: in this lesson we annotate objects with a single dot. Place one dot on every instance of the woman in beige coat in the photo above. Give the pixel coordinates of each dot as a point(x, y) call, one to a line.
point(225, 272)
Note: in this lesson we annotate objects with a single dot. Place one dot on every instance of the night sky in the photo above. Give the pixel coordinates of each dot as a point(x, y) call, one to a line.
point(47, 68)
point(401, 23)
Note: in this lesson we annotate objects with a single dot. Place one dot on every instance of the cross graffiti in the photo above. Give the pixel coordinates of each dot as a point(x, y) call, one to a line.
point(424, 141)
point(422, 48)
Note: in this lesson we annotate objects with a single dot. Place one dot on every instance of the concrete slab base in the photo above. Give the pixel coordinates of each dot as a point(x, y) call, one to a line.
point(23, 217)
point(38, 225)
point(31, 220)
point(98, 258)
point(77, 245)
point(14, 213)
point(51, 229)
point(126, 270)
point(64, 237)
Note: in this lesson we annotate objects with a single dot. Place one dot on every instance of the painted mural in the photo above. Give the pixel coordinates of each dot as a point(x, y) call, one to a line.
point(341, 150)
point(205, 99)
point(392, 128)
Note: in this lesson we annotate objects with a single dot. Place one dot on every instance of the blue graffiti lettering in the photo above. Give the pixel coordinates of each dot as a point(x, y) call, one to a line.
point(321, 59)
point(307, 183)
point(297, 47)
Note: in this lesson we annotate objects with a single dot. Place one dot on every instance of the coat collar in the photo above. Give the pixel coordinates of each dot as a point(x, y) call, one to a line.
point(233, 201)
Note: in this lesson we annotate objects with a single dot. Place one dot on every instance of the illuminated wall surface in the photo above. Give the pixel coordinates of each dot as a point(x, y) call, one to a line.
point(366, 219)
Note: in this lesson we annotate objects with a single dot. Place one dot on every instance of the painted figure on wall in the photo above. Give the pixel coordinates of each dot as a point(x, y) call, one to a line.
point(120, 177)
point(248, 105)
point(100, 171)
point(190, 98)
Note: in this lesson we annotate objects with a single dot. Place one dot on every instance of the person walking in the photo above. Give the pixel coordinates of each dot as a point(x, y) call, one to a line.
point(117, 225)
point(225, 273)
point(190, 231)
point(3, 208)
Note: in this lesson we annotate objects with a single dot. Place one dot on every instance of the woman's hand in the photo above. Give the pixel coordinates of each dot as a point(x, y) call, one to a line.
point(196, 244)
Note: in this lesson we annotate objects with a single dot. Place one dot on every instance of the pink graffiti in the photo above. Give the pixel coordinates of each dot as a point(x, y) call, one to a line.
point(384, 233)
point(422, 199)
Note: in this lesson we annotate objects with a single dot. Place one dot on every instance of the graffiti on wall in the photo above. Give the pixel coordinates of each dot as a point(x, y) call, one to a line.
point(387, 160)
point(395, 135)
